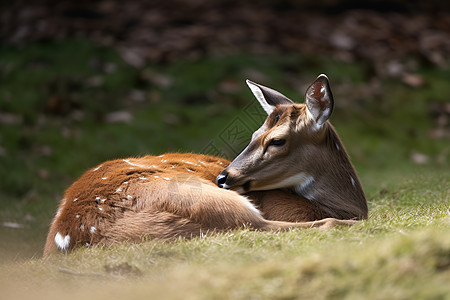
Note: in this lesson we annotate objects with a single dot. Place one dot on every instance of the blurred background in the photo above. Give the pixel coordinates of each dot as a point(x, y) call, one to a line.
point(86, 81)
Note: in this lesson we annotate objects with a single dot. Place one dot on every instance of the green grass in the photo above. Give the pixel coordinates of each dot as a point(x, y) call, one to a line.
point(401, 252)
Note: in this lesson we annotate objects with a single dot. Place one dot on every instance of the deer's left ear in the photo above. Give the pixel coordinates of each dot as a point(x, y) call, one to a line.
point(267, 97)
point(319, 100)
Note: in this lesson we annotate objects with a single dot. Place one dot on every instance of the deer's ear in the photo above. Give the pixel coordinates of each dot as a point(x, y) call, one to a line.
point(267, 97)
point(319, 100)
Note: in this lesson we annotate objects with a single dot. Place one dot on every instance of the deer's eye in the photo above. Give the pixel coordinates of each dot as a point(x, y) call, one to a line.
point(277, 142)
point(277, 117)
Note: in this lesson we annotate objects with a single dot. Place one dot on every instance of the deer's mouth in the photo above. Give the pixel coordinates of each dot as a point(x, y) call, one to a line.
point(225, 181)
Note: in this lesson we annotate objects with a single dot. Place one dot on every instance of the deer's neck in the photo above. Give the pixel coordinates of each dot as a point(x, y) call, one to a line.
point(335, 187)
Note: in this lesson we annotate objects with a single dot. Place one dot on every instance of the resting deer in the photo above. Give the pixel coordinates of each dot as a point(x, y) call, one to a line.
point(294, 173)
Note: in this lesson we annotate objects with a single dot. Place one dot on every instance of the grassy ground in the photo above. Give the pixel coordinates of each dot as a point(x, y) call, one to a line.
point(61, 97)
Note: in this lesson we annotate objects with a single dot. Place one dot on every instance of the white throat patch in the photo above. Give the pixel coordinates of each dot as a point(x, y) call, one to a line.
point(301, 189)
point(299, 182)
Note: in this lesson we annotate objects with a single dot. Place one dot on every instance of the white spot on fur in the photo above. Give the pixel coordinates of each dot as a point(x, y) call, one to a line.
point(97, 198)
point(88, 245)
point(155, 176)
point(129, 197)
point(118, 190)
point(92, 229)
point(163, 160)
point(77, 216)
point(97, 168)
point(126, 182)
point(128, 162)
point(58, 212)
point(166, 178)
point(75, 200)
point(189, 170)
point(100, 208)
point(220, 163)
point(62, 243)
point(81, 227)
point(143, 178)
point(134, 164)
point(104, 178)
point(103, 200)
point(352, 180)
point(337, 147)
point(171, 167)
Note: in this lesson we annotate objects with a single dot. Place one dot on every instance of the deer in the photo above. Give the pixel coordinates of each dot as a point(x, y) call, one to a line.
point(294, 173)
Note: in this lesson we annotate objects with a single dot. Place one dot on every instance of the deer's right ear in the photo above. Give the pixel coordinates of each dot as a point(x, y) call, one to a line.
point(267, 97)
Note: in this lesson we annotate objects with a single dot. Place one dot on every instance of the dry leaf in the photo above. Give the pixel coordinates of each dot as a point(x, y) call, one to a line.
point(119, 117)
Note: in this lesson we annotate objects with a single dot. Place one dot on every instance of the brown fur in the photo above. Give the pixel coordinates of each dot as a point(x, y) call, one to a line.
point(297, 149)
point(165, 197)
point(306, 178)
point(285, 205)
point(321, 154)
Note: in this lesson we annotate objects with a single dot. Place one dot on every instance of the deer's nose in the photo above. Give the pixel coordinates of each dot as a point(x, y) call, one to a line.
point(221, 179)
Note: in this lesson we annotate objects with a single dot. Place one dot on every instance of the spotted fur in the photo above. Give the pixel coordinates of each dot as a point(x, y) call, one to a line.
point(149, 197)
point(175, 195)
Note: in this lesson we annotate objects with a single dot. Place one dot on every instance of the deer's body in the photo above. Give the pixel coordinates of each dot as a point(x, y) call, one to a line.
point(313, 184)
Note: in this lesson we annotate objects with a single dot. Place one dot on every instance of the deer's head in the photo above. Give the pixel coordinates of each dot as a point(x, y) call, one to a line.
point(285, 151)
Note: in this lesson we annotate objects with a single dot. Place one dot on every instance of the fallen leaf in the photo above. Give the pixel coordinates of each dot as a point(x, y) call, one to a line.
point(43, 173)
point(413, 80)
point(158, 79)
point(119, 117)
point(95, 81)
point(12, 225)
point(138, 95)
point(10, 119)
point(123, 269)
point(419, 158)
